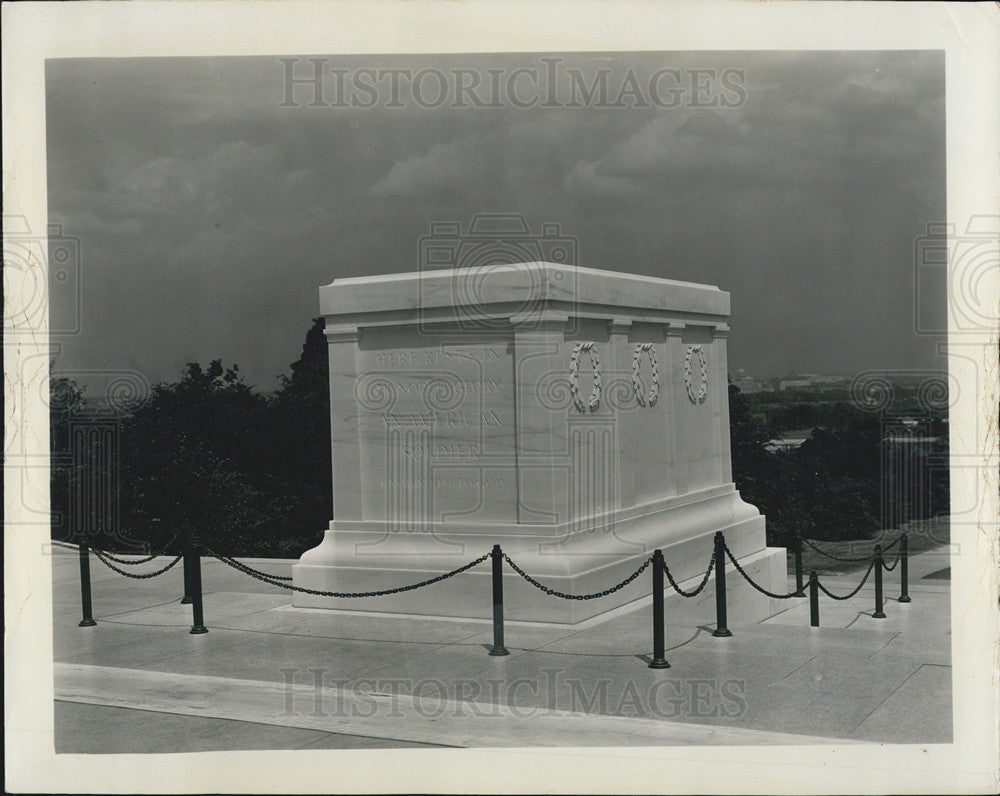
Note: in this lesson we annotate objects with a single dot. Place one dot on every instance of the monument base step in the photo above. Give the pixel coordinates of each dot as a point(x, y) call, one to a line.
point(469, 595)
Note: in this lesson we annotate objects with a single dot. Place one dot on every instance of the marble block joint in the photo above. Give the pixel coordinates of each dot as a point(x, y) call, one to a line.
point(579, 418)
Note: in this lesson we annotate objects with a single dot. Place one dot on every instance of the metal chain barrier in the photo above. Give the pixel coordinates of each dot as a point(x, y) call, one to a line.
point(192, 585)
point(563, 595)
point(133, 562)
point(833, 596)
point(895, 563)
point(750, 580)
point(255, 572)
point(836, 558)
point(885, 549)
point(695, 592)
point(232, 562)
point(101, 557)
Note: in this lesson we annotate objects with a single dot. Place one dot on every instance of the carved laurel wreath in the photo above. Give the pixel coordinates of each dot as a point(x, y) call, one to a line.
point(574, 376)
point(654, 388)
point(698, 396)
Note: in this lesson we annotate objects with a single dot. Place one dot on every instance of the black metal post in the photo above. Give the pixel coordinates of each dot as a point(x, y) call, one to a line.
point(498, 647)
point(720, 587)
point(185, 547)
point(904, 569)
point(799, 586)
point(659, 661)
point(813, 599)
point(88, 612)
point(879, 613)
point(198, 618)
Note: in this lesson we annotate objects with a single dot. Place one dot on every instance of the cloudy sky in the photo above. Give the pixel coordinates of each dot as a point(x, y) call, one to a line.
point(210, 204)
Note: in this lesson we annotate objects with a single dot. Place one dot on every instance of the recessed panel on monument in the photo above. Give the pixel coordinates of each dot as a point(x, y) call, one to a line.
point(437, 432)
point(576, 417)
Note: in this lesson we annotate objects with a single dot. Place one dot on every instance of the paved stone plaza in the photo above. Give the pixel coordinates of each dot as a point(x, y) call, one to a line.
point(138, 682)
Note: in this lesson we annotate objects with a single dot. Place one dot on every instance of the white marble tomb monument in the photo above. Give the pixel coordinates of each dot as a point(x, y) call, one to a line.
point(577, 417)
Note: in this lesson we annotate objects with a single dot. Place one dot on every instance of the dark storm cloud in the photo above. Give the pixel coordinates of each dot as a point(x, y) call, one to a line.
point(209, 215)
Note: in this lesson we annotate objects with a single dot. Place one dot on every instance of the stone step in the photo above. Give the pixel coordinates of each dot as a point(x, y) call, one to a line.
point(421, 719)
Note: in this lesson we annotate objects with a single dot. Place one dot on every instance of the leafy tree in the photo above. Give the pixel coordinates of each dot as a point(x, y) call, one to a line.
point(190, 461)
point(827, 489)
point(753, 465)
point(300, 439)
point(66, 399)
point(248, 473)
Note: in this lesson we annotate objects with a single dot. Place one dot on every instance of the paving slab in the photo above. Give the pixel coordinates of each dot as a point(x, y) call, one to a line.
point(327, 624)
point(910, 647)
point(525, 637)
point(829, 696)
point(925, 696)
point(433, 672)
point(770, 638)
point(696, 686)
point(119, 644)
point(218, 607)
point(256, 656)
point(397, 716)
point(131, 731)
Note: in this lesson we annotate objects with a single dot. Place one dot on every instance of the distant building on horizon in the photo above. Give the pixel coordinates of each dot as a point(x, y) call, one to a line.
point(748, 384)
point(788, 440)
point(811, 381)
